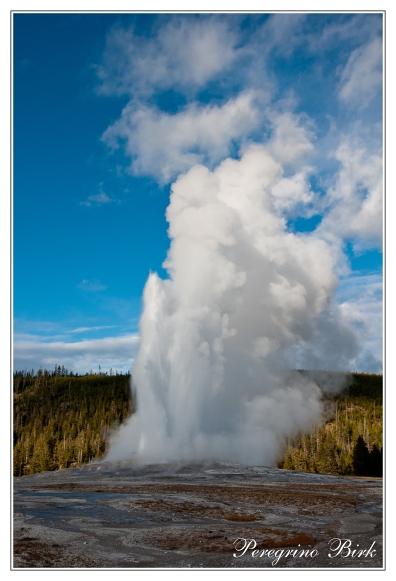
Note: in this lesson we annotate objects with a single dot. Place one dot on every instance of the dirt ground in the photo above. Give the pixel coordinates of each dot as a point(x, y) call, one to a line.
point(196, 516)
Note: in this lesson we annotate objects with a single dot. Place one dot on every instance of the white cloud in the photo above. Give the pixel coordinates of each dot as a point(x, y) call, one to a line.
point(294, 192)
point(278, 28)
point(361, 306)
point(355, 201)
point(291, 141)
point(80, 357)
point(98, 199)
point(164, 145)
point(345, 29)
point(361, 79)
point(89, 329)
point(185, 54)
point(91, 285)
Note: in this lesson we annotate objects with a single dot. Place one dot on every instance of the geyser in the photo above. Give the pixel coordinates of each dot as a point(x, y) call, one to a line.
point(244, 296)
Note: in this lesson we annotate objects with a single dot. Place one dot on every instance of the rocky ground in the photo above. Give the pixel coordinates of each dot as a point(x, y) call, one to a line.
point(168, 516)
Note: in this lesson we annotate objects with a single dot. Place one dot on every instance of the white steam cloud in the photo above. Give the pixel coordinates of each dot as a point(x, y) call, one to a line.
point(245, 297)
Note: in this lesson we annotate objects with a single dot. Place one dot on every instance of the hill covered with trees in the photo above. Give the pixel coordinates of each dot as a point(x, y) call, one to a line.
point(350, 440)
point(62, 420)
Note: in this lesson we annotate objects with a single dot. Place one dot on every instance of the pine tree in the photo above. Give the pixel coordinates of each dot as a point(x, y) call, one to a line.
point(375, 462)
point(360, 458)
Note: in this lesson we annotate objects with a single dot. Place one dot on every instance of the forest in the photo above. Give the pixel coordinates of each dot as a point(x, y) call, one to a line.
point(349, 441)
point(63, 420)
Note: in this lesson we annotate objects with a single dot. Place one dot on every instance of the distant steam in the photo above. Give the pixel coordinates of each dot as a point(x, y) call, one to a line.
point(247, 301)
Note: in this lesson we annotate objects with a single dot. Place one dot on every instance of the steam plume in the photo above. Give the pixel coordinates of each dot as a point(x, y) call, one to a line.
point(244, 298)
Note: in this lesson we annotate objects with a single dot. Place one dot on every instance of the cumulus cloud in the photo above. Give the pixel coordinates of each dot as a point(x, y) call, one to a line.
point(164, 145)
point(291, 141)
point(294, 194)
point(361, 79)
point(355, 201)
point(82, 356)
point(183, 54)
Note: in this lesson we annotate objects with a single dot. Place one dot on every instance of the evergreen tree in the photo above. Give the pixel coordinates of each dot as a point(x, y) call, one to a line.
point(375, 462)
point(360, 458)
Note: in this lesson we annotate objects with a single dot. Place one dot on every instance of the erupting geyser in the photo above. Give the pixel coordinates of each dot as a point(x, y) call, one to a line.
point(245, 297)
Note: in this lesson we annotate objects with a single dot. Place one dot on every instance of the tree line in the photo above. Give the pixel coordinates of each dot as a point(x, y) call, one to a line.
point(63, 420)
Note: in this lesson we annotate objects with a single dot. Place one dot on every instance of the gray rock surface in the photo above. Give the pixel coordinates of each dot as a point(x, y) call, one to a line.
point(190, 516)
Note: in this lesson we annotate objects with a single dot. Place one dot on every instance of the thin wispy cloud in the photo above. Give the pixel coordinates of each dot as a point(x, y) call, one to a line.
point(20, 337)
point(346, 30)
point(361, 78)
point(79, 357)
point(91, 286)
point(97, 328)
point(98, 200)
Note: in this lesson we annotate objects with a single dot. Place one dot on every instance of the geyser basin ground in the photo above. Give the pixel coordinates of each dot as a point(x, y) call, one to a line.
point(167, 516)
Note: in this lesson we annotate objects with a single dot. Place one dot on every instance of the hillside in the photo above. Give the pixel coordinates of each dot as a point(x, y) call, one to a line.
point(62, 420)
point(350, 440)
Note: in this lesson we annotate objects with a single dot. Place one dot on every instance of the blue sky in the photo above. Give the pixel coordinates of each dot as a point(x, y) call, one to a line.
point(109, 109)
